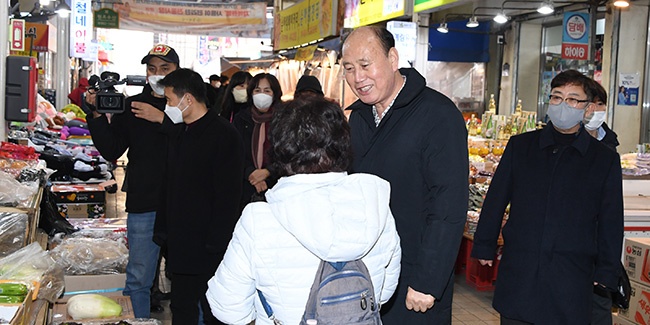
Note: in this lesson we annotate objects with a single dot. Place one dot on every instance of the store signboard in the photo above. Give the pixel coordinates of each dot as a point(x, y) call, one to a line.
point(304, 22)
point(106, 18)
point(575, 36)
point(366, 12)
point(406, 35)
point(421, 5)
point(17, 35)
point(197, 18)
point(37, 37)
point(81, 28)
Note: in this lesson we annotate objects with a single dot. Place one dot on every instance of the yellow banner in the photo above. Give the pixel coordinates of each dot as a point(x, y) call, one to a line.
point(420, 5)
point(306, 21)
point(193, 18)
point(305, 53)
point(366, 12)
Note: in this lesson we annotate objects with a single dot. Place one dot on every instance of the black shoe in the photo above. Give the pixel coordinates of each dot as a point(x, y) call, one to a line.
point(157, 309)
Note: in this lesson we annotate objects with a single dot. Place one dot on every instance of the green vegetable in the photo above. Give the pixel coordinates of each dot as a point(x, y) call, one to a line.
point(93, 306)
point(13, 289)
point(11, 299)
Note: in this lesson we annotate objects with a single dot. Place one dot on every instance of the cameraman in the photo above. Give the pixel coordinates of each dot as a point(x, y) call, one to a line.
point(135, 130)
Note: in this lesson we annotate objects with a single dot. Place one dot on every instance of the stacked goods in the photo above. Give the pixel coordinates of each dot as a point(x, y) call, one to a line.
point(637, 266)
point(635, 164)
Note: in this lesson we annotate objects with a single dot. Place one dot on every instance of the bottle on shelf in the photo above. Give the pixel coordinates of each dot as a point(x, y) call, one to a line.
point(492, 107)
point(472, 125)
point(518, 108)
point(488, 130)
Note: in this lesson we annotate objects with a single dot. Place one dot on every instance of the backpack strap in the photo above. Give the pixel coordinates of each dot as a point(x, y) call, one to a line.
point(268, 309)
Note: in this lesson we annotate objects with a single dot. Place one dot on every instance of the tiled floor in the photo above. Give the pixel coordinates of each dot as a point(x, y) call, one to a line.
point(470, 307)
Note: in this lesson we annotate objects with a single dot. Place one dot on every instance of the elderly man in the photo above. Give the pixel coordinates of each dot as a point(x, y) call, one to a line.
point(565, 229)
point(415, 138)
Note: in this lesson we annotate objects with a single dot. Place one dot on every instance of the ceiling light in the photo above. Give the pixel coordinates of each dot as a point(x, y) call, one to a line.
point(443, 28)
point(62, 9)
point(546, 8)
point(501, 18)
point(472, 23)
point(44, 2)
point(621, 3)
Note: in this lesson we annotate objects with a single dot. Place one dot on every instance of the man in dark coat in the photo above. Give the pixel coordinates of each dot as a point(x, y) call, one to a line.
point(201, 191)
point(565, 229)
point(147, 149)
point(415, 138)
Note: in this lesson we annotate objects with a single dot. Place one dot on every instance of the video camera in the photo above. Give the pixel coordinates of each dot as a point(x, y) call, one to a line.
point(108, 100)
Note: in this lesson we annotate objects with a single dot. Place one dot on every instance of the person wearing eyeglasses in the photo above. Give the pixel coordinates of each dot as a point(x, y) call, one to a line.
point(564, 232)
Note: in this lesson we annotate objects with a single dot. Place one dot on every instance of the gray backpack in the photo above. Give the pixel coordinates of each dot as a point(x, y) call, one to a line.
point(342, 293)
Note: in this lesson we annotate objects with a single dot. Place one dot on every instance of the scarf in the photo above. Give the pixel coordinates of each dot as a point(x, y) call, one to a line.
point(260, 133)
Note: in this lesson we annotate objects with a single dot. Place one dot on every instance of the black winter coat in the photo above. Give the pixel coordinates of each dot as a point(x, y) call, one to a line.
point(565, 228)
point(201, 194)
point(147, 150)
point(420, 147)
point(244, 124)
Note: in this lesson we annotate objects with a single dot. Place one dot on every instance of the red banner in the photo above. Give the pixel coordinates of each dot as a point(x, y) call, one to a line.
point(575, 51)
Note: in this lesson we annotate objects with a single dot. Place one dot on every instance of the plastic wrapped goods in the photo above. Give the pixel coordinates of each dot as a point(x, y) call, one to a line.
point(78, 256)
point(13, 232)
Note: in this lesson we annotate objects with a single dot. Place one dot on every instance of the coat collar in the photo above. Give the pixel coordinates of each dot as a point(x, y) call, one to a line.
point(581, 142)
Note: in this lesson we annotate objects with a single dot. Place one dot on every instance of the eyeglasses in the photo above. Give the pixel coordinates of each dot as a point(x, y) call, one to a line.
point(573, 102)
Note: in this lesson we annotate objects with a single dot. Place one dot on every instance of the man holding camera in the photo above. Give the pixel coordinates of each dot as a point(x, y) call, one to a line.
point(137, 129)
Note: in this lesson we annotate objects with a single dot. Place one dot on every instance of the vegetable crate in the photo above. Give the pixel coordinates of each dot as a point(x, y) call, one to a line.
point(481, 278)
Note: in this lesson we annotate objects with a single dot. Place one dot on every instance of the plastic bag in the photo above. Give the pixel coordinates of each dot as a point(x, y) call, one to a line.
point(50, 220)
point(31, 264)
point(79, 256)
point(14, 193)
point(13, 232)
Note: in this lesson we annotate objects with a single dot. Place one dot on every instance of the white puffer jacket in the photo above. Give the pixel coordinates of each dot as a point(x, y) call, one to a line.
point(277, 246)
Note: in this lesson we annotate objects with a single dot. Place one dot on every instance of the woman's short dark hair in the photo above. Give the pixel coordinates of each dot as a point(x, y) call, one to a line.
point(308, 136)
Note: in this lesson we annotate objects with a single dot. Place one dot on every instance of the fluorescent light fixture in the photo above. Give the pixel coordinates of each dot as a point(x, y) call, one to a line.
point(62, 9)
point(501, 18)
point(546, 8)
point(443, 28)
point(472, 23)
point(621, 3)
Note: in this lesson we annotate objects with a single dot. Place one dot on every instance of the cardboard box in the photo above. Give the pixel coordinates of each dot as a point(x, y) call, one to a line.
point(90, 210)
point(636, 259)
point(639, 311)
point(618, 320)
point(60, 311)
point(103, 284)
point(79, 193)
point(19, 311)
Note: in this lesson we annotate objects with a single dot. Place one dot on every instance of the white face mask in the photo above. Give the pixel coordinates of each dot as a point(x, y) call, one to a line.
point(595, 120)
point(240, 95)
point(217, 84)
point(174, 113)
point(153, 82)
point(564, 116)
point(262, 102)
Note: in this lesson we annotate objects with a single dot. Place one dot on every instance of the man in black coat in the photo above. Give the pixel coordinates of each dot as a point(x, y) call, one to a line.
point(415, 138)
point(200, 195)
point(147, 148)
point(565, 229)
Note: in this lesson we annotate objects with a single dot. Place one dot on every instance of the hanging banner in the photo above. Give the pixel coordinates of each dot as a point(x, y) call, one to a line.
point(81, 28)
point(190, 18)
point(366, 12)
point(421, 5)
point(406, 35)
point(575, 36)
point(304, 22)
point(17, 34)
point(305, 53)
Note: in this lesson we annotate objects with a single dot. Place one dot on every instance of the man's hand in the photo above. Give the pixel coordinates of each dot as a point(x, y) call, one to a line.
point(418, 301)
point(258, 175)
point(485, 262)
point(261, 187)
point(147, 112)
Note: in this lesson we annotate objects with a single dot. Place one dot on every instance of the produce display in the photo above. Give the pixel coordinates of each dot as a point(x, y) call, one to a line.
point(89, 306)
point(635, 164)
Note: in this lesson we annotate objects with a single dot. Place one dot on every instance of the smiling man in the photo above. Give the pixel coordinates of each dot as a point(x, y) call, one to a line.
point(415, 138)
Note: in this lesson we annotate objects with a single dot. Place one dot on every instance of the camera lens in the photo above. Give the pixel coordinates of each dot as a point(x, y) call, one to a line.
point(110, 102)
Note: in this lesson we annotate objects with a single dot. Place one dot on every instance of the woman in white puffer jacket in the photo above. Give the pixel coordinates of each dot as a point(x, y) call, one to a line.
point(317, 211)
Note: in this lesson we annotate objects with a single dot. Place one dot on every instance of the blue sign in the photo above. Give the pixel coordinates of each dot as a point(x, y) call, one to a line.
point(576, 28)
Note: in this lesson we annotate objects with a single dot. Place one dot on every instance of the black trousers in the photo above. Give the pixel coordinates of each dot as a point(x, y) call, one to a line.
point(510, 321)
point(188, 290)
point(601, 312)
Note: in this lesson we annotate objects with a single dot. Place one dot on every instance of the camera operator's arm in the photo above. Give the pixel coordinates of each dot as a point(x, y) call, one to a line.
point(110, 138)
point(147, 112)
